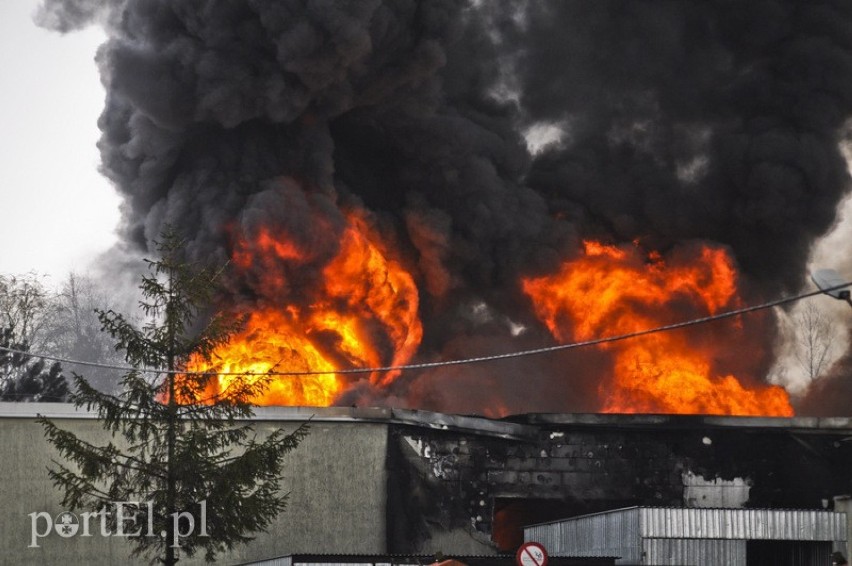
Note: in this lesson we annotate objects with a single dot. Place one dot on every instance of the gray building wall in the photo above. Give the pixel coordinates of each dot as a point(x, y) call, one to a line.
point(336, 480)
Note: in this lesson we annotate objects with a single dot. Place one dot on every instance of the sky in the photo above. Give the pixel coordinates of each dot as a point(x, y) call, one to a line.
point(57, 212)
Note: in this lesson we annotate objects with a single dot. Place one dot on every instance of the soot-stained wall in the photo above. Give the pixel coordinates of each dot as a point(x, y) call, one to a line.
point(482, 489)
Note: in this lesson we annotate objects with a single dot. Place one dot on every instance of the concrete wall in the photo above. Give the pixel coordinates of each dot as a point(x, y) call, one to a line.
point(336, 479)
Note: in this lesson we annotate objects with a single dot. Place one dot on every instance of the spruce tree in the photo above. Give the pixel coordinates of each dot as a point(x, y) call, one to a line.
point(23, 378)
point(172, 449)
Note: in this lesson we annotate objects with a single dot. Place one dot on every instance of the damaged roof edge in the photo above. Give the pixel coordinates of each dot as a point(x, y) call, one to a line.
point(423, 419)
point(518, 427)
point(600, 420)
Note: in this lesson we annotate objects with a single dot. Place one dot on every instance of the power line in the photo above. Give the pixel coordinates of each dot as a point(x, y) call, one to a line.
point(462, 361)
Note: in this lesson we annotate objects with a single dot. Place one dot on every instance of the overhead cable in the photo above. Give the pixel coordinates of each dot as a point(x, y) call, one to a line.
point(462, 361)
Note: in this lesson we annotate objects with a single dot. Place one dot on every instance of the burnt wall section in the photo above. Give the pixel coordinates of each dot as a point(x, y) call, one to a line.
point(484, 489)
point(439, 494)
point(683, 460)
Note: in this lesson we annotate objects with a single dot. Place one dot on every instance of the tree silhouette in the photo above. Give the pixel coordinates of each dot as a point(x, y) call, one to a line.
point(814, 340)
point(23, 378)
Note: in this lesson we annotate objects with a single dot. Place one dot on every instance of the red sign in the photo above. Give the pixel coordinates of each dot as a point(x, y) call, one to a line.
point(531, 554)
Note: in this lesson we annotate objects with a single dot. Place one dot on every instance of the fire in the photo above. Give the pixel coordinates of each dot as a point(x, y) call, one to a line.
point(613, 290)
point(272, 341)
point(368, 286)
point(362, 313)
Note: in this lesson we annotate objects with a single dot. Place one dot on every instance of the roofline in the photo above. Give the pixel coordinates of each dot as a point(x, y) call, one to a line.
point(604, 420)
point(408, 417)
point(518, 427)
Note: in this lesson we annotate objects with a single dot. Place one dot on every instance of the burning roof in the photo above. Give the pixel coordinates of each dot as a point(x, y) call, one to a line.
point(366, 168)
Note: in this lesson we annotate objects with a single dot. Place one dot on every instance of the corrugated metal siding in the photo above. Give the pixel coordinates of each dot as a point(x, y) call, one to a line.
point(756, 524)
point(615, 533)
point(693, 552)
point(683, 536)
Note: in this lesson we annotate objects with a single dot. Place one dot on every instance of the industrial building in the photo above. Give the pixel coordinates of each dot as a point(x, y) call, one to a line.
point(383, 482)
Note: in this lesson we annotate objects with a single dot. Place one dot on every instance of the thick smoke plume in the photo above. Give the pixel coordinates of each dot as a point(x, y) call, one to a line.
point(675, 121)
point(717, 120)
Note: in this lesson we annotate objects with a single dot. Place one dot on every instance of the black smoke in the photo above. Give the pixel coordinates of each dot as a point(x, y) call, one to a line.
point(680, 121)
point(710, 120)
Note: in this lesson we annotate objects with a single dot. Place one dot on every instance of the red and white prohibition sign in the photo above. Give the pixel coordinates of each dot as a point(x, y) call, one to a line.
point(531, 554)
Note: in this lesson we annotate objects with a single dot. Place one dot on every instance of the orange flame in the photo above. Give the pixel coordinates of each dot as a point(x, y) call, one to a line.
point(619, 290)
point(363, 313)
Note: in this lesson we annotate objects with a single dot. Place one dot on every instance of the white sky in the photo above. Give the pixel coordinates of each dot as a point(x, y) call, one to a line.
point(56, 210)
